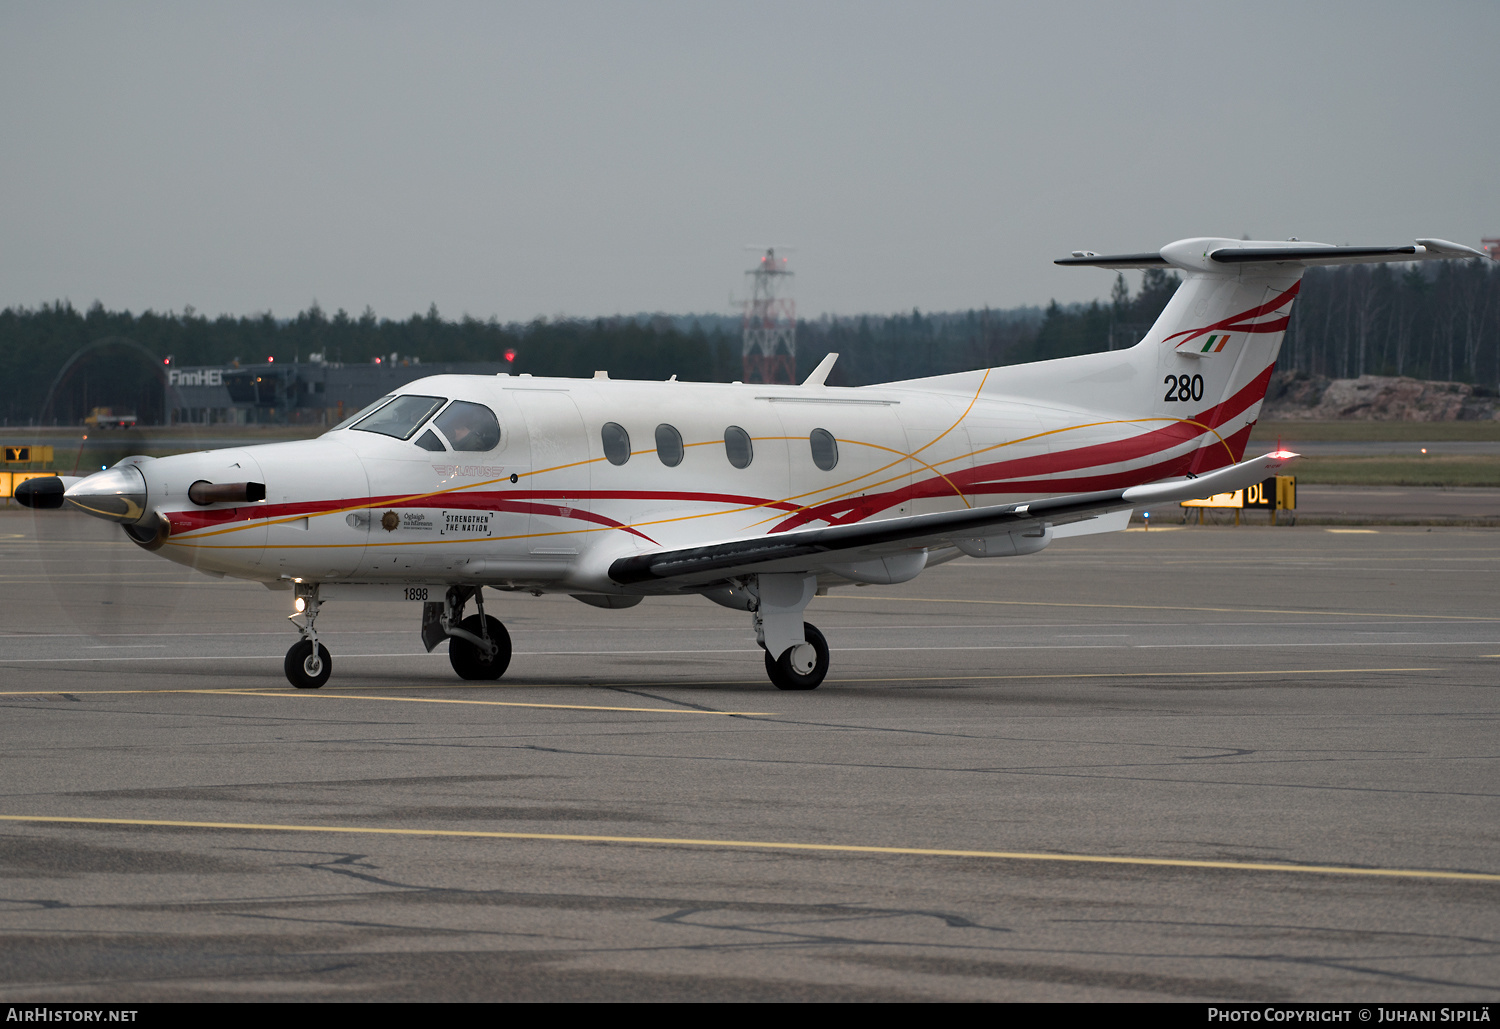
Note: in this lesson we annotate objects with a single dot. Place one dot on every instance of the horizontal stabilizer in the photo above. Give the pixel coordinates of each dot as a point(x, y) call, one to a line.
point(1226, 254)
point(1092, 260)
point(1421, 250)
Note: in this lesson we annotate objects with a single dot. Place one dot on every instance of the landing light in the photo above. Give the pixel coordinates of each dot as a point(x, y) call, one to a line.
point(300, 605)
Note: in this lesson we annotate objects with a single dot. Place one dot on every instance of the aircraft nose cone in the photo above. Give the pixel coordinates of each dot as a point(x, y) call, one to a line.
point(118, 494)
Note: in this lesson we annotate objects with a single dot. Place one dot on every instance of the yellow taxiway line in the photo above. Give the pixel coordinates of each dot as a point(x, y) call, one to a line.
point(1136, 675)
point(835, 848)
point(282, 691)
point(1162, 607)
point(408, 700)
point(486, 703)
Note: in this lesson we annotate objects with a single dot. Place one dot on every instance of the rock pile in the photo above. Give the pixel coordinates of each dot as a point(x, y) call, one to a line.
point(1298, 396)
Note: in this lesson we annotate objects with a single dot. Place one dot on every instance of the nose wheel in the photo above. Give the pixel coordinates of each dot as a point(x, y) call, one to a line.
point(308, 665)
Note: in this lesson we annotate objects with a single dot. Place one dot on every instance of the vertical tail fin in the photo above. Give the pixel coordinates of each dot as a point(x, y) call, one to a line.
point(1205, 364)
point(1185, 398)
point(1211, 353)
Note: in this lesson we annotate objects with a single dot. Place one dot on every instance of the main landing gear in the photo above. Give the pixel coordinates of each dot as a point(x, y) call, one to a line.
point(801, 667)
point(796, 652)
point(478, 646)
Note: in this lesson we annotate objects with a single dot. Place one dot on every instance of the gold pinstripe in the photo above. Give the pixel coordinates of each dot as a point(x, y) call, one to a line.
point(188, 539)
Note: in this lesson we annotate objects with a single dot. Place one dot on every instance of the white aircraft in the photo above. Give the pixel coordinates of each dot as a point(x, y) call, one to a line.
point(754, 496)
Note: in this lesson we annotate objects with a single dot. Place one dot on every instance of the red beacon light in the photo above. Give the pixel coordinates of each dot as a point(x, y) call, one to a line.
point(510, 355)
point(270, 360)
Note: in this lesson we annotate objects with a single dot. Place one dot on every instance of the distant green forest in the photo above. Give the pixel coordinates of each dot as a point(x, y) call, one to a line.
point(1439, 321)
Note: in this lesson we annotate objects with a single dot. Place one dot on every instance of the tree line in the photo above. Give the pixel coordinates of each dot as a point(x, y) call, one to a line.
point(1438, 321)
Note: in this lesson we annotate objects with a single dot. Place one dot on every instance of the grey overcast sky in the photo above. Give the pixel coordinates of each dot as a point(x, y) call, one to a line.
point(582, 158)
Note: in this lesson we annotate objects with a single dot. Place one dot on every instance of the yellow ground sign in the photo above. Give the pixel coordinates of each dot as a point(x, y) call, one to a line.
point(1235, 499)
point(28, 455)
point(10, 480)
point(1278, 493)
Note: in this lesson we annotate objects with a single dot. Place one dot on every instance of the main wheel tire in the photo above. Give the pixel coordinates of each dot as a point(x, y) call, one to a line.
point(780, 669)
point(469, 661)
point(306, 670)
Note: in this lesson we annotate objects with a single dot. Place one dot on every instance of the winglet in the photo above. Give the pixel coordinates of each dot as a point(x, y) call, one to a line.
point(819, 374)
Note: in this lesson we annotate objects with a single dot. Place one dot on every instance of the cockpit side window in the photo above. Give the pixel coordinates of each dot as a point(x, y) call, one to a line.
point(401, 417)
point(469, 426)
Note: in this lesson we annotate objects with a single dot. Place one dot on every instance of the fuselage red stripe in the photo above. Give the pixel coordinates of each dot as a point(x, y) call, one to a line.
point(1236, 323)
point(1015, 476)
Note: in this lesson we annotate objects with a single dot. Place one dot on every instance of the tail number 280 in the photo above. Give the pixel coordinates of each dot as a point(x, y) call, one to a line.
point(1183, 388)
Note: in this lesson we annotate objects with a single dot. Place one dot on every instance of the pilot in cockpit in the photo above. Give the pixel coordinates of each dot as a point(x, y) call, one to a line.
point(469, 426)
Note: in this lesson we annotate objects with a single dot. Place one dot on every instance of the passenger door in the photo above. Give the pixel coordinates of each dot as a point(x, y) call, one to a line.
point(556, 487)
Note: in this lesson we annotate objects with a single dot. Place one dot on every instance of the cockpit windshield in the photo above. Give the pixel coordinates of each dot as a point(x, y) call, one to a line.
point(401, 417)
point(357, 415)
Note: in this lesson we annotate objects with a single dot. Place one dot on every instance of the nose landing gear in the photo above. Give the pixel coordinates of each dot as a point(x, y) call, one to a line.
point(307, 664)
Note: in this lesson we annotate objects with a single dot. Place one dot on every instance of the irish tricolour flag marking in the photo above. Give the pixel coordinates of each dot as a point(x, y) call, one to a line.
point(1212, 345)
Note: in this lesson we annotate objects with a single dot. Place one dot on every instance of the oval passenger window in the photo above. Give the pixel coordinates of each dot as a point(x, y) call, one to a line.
point(825, 449)
point(668, 445)
point(737, 446)
point(469, 426)
point(616, 442)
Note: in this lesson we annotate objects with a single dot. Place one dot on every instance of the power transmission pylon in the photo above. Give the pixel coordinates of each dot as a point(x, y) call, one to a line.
point(770, 325)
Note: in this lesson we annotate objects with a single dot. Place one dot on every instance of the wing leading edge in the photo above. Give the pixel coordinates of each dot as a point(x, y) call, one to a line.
point(812, 550)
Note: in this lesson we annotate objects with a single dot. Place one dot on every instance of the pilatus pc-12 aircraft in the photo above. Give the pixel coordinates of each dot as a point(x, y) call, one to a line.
point(754, 496)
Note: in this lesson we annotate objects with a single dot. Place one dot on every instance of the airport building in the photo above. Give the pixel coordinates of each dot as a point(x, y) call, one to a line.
point(299, 393)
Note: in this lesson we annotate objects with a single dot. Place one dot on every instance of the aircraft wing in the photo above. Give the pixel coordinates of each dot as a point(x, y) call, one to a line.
point(813, 550)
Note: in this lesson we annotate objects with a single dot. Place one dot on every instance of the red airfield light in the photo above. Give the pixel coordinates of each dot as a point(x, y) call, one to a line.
point(270, 360)
point(510, 355)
